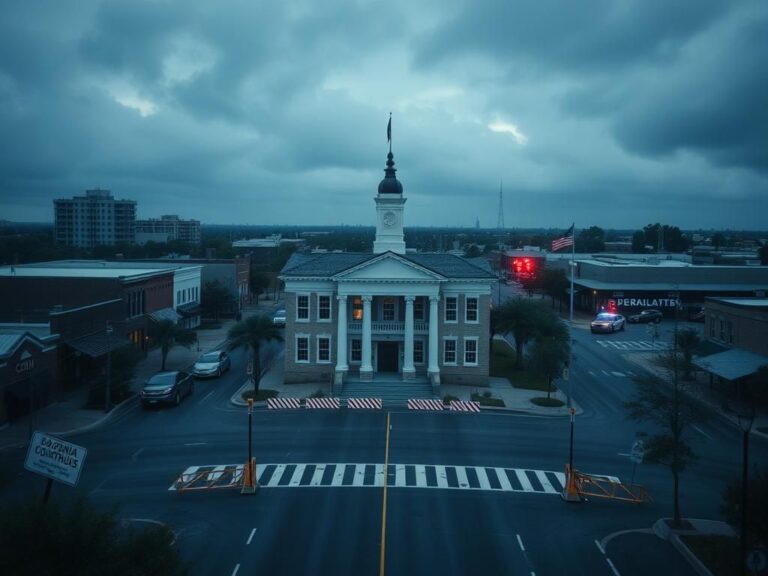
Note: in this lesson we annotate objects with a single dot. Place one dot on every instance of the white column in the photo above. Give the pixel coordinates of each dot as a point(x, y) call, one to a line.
point(408, 369)
point(433, 367)
point(366, 368)
point(341, 338)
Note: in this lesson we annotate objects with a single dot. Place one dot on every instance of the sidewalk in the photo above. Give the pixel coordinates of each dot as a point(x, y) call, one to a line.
point(700, 390)
point(69, 416)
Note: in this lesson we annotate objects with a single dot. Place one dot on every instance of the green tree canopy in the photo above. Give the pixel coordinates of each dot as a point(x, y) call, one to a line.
point(687, 341)
point(77, 540)
point(166, 334)
point(591, 240)
point(215, 298)
point(523, 318)
point(672, 413)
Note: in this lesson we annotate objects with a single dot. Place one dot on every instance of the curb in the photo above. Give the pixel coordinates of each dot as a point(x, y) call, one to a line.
point(665, 532)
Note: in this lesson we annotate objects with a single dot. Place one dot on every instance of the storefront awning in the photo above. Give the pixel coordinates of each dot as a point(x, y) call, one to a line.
point(189, 309)
point(732, 364)
point(164, 314)
point(95, 345)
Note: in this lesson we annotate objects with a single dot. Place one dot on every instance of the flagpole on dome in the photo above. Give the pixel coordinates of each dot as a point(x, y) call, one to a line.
point(389, 132)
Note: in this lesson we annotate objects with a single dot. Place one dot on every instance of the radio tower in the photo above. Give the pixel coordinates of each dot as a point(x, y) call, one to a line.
point(500, 221)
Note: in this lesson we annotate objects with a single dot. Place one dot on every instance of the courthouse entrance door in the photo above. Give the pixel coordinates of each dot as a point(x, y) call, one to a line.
point(387, 354)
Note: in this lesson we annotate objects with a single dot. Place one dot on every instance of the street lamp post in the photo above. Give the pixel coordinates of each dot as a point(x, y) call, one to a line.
point(108, 390)
point(745, 424)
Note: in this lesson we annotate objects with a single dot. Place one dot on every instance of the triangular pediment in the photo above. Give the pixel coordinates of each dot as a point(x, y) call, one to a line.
point(388, 266)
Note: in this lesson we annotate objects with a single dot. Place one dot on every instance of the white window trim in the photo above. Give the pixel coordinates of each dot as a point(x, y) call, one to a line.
point(317, 348)
point(477, 351)
point(309, 349)
point(477, 310)
point(330, 308)
point(455, 351)
point(309, 307)
point(456, 310)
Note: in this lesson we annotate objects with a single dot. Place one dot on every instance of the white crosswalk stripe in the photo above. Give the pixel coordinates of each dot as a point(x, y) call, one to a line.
point(360, 475)
point(634, 345)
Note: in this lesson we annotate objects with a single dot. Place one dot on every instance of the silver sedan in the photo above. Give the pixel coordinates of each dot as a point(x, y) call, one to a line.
point(608, 322)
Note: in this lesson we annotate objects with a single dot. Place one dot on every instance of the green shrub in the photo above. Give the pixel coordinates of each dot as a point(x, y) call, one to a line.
point(548, 402)
point(447, 399)
point(317, 394)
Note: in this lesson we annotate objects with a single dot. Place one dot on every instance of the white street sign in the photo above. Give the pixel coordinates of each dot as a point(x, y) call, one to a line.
point(637, 453)
point(55, 459)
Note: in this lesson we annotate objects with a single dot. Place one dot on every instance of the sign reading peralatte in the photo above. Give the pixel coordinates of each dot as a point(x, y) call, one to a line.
point(648, 302)
point(55, 459)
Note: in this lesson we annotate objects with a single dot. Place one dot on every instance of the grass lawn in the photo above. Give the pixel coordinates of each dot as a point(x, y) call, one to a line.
point(718, 553)
point(503, 366)
point(261, 395)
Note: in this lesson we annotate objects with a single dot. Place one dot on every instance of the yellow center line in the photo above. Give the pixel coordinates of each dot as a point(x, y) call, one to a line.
point(384, 505)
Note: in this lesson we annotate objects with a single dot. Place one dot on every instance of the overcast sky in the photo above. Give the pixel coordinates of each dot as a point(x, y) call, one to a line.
point(610, 113)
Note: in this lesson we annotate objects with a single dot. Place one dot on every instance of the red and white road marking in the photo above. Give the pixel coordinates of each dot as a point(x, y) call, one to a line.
point(364, 403)
point(281, 403)
point(425, 404)
point(323, 403)
point(464, 406)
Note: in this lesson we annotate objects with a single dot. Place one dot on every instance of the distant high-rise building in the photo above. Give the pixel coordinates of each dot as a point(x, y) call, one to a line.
point(168, 227)
point(94, 219)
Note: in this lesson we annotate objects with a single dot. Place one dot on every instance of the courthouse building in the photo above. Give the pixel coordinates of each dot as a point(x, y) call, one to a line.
point(405, 314)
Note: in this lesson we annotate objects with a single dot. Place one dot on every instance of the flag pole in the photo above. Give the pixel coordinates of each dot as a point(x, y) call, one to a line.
point(570, 319)
point(573, 256)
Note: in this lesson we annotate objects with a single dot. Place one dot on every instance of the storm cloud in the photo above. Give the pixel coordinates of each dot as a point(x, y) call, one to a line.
point(605, 113)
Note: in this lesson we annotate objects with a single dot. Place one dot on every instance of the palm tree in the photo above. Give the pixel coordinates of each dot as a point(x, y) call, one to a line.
point(252, 333)
point(687, 341)
point(521, 317)
point(167, 334)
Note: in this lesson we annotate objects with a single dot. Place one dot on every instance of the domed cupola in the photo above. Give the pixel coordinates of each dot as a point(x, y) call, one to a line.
point(390, 184)
point(389, 208)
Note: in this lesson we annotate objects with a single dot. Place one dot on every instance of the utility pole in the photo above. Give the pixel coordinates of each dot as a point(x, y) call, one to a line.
point(108, 390)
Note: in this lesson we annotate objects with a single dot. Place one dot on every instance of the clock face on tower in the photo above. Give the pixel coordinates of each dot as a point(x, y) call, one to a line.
point(389, 219)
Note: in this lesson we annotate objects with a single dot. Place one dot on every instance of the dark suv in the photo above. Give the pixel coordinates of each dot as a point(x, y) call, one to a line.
point(166, 388)
point(646, 317)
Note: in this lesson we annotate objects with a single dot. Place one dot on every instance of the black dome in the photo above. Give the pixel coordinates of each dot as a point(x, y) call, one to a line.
point(390, 184)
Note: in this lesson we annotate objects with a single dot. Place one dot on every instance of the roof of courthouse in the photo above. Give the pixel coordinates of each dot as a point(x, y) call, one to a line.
point(331, 263)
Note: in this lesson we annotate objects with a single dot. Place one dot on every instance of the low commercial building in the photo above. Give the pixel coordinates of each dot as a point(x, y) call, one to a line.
point(630, 284)
point(166, 229)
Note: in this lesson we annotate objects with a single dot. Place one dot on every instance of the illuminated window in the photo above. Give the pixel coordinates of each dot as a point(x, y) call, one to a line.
point(470, 351)
point(357, 351)
point(323, 307)
point(323, 349)
point(302, 349)
point(471, 311)
point(450, 308)
point(357, 308)
point(449, 351)
point(302, 307)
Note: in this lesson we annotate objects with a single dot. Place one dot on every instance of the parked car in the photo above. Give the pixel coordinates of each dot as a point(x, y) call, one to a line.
point(166, 388)
point(607, 322)
point(646, 316)
point(211, 364)
point(279, 318)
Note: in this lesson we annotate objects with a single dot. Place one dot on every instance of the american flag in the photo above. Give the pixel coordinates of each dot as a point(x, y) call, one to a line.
point(565, 240)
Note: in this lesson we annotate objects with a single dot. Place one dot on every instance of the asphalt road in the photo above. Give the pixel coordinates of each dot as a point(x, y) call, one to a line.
point(465, 493)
